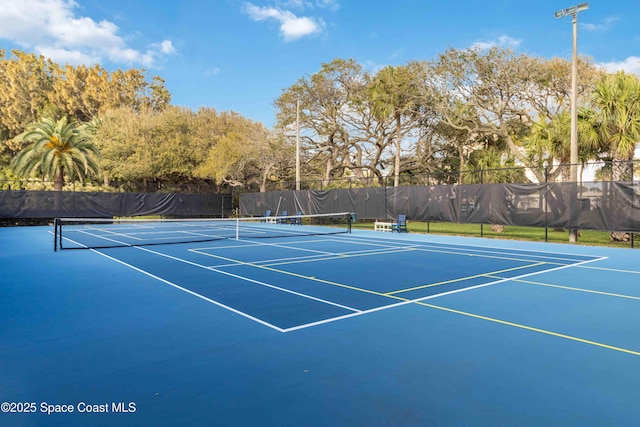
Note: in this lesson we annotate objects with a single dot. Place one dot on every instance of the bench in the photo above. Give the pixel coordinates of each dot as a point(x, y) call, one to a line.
point(383, 226)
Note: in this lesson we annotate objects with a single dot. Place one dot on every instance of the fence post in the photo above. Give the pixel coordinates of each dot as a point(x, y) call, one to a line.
point(481, 182)
point(546, 203)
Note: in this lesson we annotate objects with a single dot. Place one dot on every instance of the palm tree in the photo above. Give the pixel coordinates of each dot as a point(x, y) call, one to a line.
point(614, 125)
point(549, 143)
point(614, 121)
point(494, 166)
point(392, 94)
point(59, 149)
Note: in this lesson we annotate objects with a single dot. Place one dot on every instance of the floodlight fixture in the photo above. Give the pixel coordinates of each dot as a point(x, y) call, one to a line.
point(571, 11)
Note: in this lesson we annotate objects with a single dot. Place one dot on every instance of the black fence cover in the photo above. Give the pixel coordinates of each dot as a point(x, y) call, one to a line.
point(62, 204)
point(612, 206)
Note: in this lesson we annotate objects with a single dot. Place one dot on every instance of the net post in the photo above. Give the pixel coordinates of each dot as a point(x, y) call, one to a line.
point(237, 228)
point(55, 234)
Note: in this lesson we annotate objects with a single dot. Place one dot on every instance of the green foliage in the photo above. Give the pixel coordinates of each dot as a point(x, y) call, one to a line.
point(148, 145)
point(178, 145)
point(58, 149)
point(468, 109)
point(613, 120)
point(392, 94)
point(32, 87)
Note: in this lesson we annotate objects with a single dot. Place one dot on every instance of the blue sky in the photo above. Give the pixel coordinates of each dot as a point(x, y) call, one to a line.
point(240, 55)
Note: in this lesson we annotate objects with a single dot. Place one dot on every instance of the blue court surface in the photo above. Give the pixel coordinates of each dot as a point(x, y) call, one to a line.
point(360, 329)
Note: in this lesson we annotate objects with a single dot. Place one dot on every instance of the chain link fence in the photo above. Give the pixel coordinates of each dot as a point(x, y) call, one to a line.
point(150, 186)
point(586, 172)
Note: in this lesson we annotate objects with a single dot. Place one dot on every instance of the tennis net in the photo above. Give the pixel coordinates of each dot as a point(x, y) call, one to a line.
point(98, 233)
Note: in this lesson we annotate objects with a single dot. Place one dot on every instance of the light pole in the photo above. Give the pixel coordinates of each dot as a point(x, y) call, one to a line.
point(298, 145)
point(573, 168)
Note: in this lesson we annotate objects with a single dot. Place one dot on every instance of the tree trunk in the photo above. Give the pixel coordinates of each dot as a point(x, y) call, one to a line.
point(621, 170)
point(327, 172)
point(462, 164)
point(58, 181)
point(265, 176)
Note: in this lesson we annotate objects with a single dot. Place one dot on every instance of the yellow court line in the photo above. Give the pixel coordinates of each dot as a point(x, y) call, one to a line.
point(465, 278)
point(530, 328)
point(315, 279)
point(610, 294)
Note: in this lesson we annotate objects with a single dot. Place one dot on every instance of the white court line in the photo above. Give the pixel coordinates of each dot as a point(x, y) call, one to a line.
point(221, 272)
point(105, 237)
point(386, 307)
point(157, 240)
point(352, 255)
point(252, 245)
point(280, 245)
point(309, 258)
point(286, 246)
point(479, 253)
point(219, 304)
point(515, 253)
point(453, 246)
point(613, 270)
point(488, 253)
point(248, 279)
point(238, 264)
point(334, 319)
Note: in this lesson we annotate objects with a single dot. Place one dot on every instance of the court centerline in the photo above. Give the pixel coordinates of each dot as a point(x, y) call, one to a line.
point(308, 258)
point(248, 279)
point(315, 279)
point(221, 272)
point(344, 255)
point(212, 301)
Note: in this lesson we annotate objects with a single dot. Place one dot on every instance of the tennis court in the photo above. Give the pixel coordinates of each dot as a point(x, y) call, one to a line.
point(313, 328)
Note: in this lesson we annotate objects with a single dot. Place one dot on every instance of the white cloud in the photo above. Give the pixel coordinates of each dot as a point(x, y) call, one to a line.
point(292, 27)
point(166, 47)
point(502, 41)
point(294, 4)
point(629, 65)
point(64, 56)
point(603, 26)
point(332, 5)
point(329, 4)
point(51, 28)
